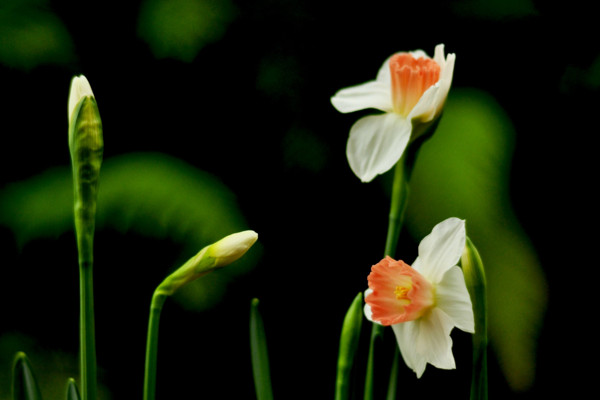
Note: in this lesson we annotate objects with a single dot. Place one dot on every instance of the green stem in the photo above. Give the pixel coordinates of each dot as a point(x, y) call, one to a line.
point(396, 218)
point(397, 208)
point(393, 385)
point(158, 299)
point(87, 332)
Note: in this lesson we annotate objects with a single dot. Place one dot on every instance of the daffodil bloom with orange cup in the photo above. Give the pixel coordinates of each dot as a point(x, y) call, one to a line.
point(411, 89)
point(423, 303)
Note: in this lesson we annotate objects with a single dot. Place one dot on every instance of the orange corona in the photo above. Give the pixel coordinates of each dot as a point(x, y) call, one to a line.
point(399, 293)
point(411, 77)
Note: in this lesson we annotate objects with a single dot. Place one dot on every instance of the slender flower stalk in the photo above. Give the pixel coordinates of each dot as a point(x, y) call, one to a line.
point(86, 146)
point(396, 218)
point(393, 384)
point(158, 300)
point(210, 258)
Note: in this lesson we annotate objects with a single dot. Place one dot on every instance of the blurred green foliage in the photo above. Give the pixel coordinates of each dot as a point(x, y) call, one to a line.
point(149, 194)
point(463, 171)
point(32, 35)
point(52, 368)
point(179, 29)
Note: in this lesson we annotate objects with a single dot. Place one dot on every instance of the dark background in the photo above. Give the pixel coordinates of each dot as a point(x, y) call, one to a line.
point(228, 111)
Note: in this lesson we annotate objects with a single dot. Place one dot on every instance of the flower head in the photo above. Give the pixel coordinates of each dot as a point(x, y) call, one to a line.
point(424, 303)
point(411, 89)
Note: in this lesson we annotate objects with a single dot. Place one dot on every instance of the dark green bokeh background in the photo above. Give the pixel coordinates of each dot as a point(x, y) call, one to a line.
point(240, 90)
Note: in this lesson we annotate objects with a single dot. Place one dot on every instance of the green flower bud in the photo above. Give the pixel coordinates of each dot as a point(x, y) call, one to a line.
point(86, 146)
point(214, 256)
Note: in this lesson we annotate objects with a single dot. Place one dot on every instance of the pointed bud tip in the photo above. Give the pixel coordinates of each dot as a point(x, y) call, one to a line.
point(232, 247)
point(80, 88)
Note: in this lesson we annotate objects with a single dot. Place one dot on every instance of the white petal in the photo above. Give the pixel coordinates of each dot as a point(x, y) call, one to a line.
point(368, 312)
point(441, 249)
point(446, 74)
point(453, 298)
point(80, 87)
point(426, 108)
point(438, 55)
point(373, 94)
point(434, 341)
point(407, 334)
point(384, 74)
point(367, 309)
point(376, 143)
point(431, 103)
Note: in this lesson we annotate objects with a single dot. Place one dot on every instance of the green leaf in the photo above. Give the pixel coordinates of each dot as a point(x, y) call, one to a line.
point(31, 35)
point(72, 390)
point(179, 29)
point(24, 386)
point(259, 354)
point(463, 171)
point(150, 194)
point(348, 344)
point(476, 284)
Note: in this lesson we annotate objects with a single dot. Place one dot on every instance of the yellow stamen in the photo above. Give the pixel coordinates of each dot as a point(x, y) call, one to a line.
point(401, 293)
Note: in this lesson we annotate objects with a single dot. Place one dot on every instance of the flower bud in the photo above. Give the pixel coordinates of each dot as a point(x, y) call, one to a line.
point(86, 145)
point(231, 247)
point(214, 256)
point(80, 88)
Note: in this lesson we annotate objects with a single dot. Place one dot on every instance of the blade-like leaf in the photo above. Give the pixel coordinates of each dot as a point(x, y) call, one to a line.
point(348, 345)
point(24, 386)
point(476, 284)
point(72, 390)
point(259, 354)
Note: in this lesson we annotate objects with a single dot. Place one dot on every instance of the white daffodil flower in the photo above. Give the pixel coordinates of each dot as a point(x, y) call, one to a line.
point(411, 89)
point(424, 303)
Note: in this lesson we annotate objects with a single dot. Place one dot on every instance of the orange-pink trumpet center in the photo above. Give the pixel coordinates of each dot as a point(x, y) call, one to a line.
point(399, 293)
point(411, 77)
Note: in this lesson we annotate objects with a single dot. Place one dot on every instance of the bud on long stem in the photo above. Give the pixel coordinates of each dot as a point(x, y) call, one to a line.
point(214, 256)
point(86, 146)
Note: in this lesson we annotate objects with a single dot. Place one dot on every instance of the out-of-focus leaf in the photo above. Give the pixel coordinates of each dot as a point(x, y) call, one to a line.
point(179, 29)
point(30, 35)
point(463, 171)
point(72, 390)
point(52, 367)
point(150, 194)
point(259, 354)
point(348, 345)
point(25, 386)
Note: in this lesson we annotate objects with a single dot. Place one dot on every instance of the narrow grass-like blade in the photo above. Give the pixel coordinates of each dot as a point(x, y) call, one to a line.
point(24, 384)
point(259, 353)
